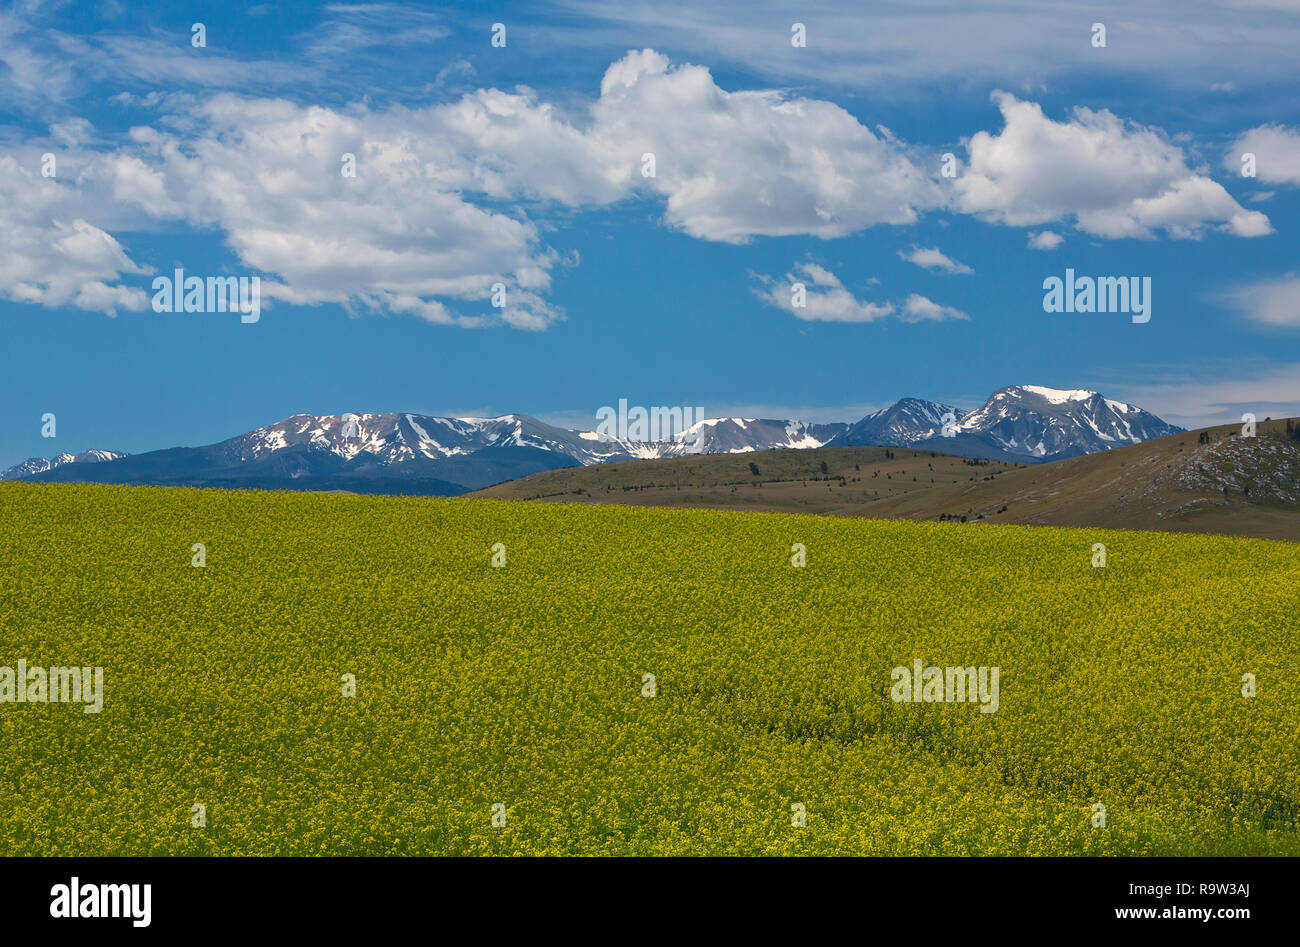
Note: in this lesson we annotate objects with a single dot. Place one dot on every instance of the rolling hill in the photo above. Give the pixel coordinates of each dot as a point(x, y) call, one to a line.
point(1210, 481)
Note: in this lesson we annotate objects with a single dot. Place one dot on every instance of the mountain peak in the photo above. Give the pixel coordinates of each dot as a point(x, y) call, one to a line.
point(382, 452)
point(38, 465)
point(1042, 423)
point(1051, 395)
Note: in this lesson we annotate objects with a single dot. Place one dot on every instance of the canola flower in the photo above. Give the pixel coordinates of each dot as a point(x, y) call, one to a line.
point(502, 711)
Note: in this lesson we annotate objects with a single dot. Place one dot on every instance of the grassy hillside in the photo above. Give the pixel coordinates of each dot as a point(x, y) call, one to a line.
point(1173, 483)
point(523, 685)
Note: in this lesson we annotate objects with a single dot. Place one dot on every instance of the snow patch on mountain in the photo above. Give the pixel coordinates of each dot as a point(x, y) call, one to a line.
point(35, 465)
point(1027, 422)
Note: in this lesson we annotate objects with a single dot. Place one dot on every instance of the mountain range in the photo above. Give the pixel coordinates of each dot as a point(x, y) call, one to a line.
point(418, 454)
point(38, 465)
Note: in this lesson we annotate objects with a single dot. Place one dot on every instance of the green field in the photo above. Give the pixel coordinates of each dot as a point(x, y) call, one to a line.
point(522, 686)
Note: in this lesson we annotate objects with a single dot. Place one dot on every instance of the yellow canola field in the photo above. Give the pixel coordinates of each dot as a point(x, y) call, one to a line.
point(507, 709)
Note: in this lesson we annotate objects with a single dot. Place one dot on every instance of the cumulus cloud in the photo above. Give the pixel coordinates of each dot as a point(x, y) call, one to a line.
point(730, 166)
point(1277, 154)
point(1045, 240)
point(815, 294)
point(934, 260)
point(399, 236)
point(421, 227)
point(735, 165)
point(1273, 302)
point(1113, 178)
point(448, 200)
point(50, 254)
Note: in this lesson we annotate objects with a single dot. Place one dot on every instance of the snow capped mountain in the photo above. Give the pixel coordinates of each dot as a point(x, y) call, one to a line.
point(412, 453)
point(1041, 422)
point(1024, 422)
point(422, 454)
point(36, 465)
point(742, 435)
point(394, 438)
point(902, 423)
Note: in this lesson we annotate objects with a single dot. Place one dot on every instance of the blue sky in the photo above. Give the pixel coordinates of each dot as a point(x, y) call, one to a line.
point(522, 165)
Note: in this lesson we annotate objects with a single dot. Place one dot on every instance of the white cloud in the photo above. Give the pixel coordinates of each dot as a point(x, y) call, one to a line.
point(1114, 178)
point(1021, 44)
point(826, 299)
point(934, 260)
point(41, 63)
point(1045, 240)
point(50, 254)
point(30, 77)
point(445, 197)
point(399, 236)
point(510, 146)
point(351, 27)
point(919, 309)
point(1268, 302)
point(420, 229)
point(730, 166)
point(1277, 154)
point(735, 165)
